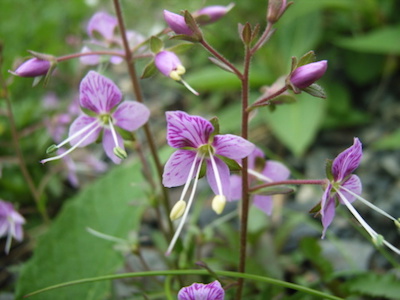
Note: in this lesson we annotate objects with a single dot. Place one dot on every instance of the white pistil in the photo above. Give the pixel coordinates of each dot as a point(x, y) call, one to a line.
point(216, 173)
point(190, 201)
point(78, 133)
point(259, 175)
point(366, 202)
point(113, 133)
point(188, 87)
point(375, 236)
point(73, 147)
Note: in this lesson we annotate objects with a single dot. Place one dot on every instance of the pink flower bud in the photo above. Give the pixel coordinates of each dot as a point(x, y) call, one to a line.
point(32, 68)
point(169, 64)
point(306, 75)
point(212, 13)
point(276, 8)
point(177, 23)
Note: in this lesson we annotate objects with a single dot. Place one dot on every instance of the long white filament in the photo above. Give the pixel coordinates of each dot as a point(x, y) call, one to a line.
point(216, 173)
point(114, 135)
point(259, 175)
point(78, 133)
point(196, 179)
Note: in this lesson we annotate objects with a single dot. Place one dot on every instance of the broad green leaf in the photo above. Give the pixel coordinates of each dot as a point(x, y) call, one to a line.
point(388, 142)
point(297, 124)
point(380, 41)
point(113, 205)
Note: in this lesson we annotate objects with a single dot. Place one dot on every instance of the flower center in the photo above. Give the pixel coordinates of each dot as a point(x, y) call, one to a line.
point(105, 119)
point(206, 149)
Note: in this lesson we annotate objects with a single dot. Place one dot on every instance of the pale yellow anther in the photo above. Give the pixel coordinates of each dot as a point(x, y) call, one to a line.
point(178, 210)
point(218, 203)
point(180, 70)
point(175, 75)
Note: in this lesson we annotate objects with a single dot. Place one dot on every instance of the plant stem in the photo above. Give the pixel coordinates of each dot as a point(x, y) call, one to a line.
point(264, 101)
point(289, 181)
point(21, 160)
point(245, 176)
point(139, 97)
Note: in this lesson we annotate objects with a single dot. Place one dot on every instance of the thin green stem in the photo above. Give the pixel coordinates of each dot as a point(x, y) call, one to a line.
point(290, 181)
point(139, 97)
point(245, 176)
point(231, 274)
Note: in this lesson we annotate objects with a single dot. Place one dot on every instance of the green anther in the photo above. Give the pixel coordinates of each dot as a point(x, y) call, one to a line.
point(120, 153)
point(378, 240)
point(51, 149)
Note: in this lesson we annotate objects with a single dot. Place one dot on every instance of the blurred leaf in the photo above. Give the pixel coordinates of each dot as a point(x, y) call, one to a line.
point(297, 124)
point(156, 44)
point(68, 252)
point(381, 41)
point(312, 251)
point(388, 142)
point(377, 285)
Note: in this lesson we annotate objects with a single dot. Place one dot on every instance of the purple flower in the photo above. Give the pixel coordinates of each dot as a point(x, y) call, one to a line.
point(177, 23)
point(306, 75)
point(101, 98)
point(270, 172)
point(200, 291)
point(211, 14)
point(32, 67)
point(10, 223)
point(196, 144)
point(101, 29)
point(341, 183)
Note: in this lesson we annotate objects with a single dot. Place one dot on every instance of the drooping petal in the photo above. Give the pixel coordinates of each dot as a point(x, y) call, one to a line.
point(81, 122)
point(177, 168)
point(102, 23)
point(184, 130)
point(347, 161)
point(200, 291)
point(131, 115)
point(264, 203)
point(276, 171)
point(232, 146)
point(98, 93)
point(223, 173)
point(328, 206)
point(109, 145)
point(235, 187)
point(353, 183)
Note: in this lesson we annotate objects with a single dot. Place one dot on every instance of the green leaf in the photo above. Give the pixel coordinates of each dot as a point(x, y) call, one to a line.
point(180, 48)
point(113, 205)
point(149, 70)
point(274, 190)
point(388, 142)
point(156, 44)
point(297, 124)
point(380, 41)
point(377, 285)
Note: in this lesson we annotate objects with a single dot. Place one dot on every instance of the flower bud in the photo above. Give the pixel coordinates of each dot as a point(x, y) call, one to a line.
point(210, 14)
point(306, 75)
point(32, 68)
point(177, 23)
point(275, 10)
point(178, 210)
point(218, 203)
point(169, 64)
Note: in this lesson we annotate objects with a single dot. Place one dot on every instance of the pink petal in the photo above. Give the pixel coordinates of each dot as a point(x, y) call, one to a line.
point(353, 184)
point(199, 291)
point(104, 24)
point(232, 146)
point(131, 115)
point(98, 93)
point(81, 122)
point(235, 184)
point(328, 206)
point(223, 172)
point(276, 171)
point(347, 161)
point(177, 168)
point(90, 60)
point(184, 130)
point(109, 145)
point(264, 203)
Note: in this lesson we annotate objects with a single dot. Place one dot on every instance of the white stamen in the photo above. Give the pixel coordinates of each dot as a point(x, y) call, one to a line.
point(113, 133)
point(189, 87)
point(78, 133)
point(105, 236)
point(10, 234)
point(259, 175)
point(72, 148)
point(366, 202)
point(216, 173)
point(179, 229)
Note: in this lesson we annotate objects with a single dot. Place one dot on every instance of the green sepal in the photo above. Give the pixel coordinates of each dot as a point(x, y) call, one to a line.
point(274, 190)
point(149, 70)
point(180, 48)
point(307, 58)
point(191, 23)
point(255, 32)
point(315, 90)
point(215, 123)
point(246, 33)
point(316, 209)
point(88, 112)
point(232, 164)
point(203, 170)
point(125, 134)
point(156, 44)
point(328, 169)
